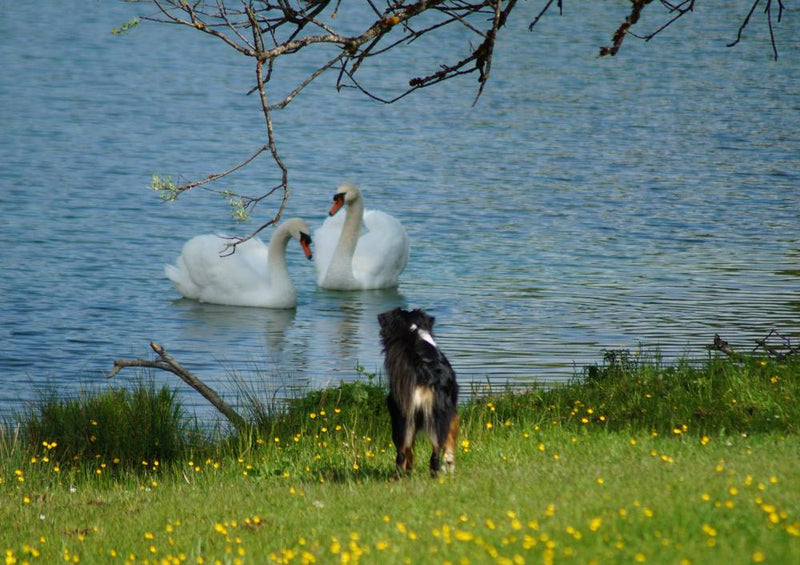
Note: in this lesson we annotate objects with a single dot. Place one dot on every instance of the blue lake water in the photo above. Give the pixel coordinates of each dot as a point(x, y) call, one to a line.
point(583, 204)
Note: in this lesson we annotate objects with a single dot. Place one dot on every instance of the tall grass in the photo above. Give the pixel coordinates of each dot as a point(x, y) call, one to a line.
point(638, 393)
point(121, 425)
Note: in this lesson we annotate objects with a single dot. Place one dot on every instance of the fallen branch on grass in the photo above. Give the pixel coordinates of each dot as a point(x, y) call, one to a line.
point(165, 362)
point(780, 351)
point(720, 344)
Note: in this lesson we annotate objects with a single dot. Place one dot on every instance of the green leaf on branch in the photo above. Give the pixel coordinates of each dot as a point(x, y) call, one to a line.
point(238, 206)
point(126, 27)
point(165, 188)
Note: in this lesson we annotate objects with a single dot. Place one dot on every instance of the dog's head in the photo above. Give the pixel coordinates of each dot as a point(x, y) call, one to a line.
point(404, 324)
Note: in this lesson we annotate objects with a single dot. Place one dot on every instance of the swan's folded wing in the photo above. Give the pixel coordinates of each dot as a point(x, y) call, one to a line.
point(182, 280)
point(325, 240)
point(218, 277)
point(194, 270)
point(382, 252)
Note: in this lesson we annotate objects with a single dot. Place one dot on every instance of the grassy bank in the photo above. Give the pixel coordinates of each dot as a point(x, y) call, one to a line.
point(637, 463)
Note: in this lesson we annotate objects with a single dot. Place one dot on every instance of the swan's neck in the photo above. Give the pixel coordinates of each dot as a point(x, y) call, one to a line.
point(277, 256)
point(351, 231)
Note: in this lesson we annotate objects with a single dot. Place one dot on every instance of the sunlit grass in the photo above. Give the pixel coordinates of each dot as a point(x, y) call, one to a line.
point(523, 496)
point(116, 426)
point(547, 476)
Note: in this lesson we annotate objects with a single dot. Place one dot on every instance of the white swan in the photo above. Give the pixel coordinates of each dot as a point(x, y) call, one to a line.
point(254, 275)
point(346, 258)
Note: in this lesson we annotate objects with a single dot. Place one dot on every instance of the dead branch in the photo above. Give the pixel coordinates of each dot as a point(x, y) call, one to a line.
point(216, 176)
point(267, 30)
point(677, 11)
point(165, 362)
point(622, 30)
point(541, 14)
point(779, 351)
point(768, 12)
point(720, 344)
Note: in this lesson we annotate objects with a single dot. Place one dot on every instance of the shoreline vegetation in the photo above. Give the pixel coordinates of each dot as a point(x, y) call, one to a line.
point(632, 461)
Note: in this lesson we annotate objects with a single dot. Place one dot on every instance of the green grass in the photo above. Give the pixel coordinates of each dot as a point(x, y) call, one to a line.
point(626, 466)
point(116, 424)
point(639, 393)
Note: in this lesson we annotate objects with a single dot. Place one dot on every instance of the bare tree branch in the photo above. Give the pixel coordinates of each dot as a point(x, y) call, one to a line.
point(622, 30)
point(768, 12)
point(165, 362)
point(268, 30)
point(541, 14)
point(780, 351)
point(216, 176)
point(720, 344)
point(678, 11)
point(285, 102)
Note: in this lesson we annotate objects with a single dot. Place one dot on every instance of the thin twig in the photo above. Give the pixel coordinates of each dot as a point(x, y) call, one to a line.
point(541, 14)
point(744, 24)
point(216, 176)
point(285, 102)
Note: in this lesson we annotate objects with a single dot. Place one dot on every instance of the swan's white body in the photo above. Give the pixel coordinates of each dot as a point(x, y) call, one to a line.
point(254, 275)
point(348, 258)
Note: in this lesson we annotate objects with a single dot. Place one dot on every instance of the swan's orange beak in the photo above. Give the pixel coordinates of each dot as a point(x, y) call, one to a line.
point(305, 243)
point(338, 202)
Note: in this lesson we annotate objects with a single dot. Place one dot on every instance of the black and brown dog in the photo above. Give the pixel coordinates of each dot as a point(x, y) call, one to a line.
point(423, 393)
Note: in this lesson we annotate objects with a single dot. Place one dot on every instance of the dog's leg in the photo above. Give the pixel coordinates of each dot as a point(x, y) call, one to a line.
point(450, 446)
point(437, 435)
point(435, 462)
point(400, 464)
point(405, 448)
point(405, 454)
point(408, 445)
point(443, 438)
point(402, 437)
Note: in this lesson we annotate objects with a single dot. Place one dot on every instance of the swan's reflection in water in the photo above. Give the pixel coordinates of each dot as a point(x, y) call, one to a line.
point(344, 327)
point(322, 342)
point(213, 322)
point(218, 330)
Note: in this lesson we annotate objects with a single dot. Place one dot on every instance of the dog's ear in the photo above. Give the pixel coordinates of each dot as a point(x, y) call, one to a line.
point(422, 320)
point(390, 318)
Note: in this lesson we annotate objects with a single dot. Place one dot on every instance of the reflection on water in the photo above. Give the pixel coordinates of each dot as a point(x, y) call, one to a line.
point(209, 322)
point(583, 204)
point(344, 330)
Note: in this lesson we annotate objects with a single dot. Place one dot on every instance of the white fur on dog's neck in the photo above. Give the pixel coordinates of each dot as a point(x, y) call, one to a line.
point(423, 334)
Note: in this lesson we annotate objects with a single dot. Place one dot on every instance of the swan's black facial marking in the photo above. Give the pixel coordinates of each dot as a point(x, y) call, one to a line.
point(305, 243)
point(338, 202)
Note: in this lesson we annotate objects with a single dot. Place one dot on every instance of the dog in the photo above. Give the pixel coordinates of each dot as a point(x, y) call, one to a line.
point(423, 393)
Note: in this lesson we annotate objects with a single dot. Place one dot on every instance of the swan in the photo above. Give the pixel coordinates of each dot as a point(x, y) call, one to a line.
point(346, 258)
point(254, 275)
